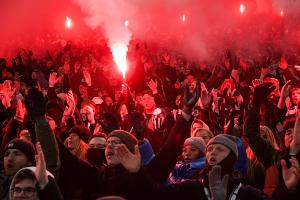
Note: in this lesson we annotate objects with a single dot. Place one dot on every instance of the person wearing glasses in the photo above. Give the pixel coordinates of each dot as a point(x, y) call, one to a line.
point(34, 183)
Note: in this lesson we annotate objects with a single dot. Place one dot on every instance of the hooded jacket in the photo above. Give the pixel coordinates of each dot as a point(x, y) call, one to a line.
point(51, 191)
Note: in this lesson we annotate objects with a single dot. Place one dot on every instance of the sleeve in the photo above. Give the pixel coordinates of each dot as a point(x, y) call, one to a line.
point(46, 137)
point(163, 163)
point(50, 192)
point(76, 173)
point(264, 151)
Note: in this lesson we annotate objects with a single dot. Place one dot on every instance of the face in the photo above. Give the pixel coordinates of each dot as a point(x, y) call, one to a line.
point(139, 99)
point(178, 100)
point(25, 190)
point(123, 110)
point(108, 101)
point(190, 153)
point(204, 135)
point(192, 82)
point(14, 160)
point(97, 142)
point(72, 141)
point(296, 96)
point(89, 112)
point(288, 137)
point(216, 153)
point(148, 102)
point(111, 144)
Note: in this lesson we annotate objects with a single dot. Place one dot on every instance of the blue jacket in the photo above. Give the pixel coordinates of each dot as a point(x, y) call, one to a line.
point(186, 170)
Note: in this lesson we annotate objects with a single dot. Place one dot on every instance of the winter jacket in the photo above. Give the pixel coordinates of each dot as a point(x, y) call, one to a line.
point(77, 175)
point(50, 192)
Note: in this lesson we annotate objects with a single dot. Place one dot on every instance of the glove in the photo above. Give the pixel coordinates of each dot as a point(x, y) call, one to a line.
point(217, 186)
point(190, 99)
point(138, 126)
point(261, 92)
point(35, 103)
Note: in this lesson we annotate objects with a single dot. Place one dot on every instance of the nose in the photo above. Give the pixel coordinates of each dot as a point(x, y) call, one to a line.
point(10, 156)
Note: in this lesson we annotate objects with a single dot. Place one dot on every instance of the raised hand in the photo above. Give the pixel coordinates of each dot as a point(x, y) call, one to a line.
point(138, 126)
point(261, 92)
point(87, 77)
point(256, 82)
point(217, 185)
point(69, 111)
point(53, 79)
point(291, 175)
point(205, 96)
point(190, 99)
point(131, 162)
point(153, 86)
point(285, 90)
point(20, 111)
point(35, 103)
point(41, 171)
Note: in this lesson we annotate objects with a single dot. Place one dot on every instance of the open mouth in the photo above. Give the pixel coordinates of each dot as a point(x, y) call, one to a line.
point(212, 160)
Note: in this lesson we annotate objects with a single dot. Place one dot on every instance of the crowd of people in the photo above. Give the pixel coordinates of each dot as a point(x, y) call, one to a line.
point(72, 128)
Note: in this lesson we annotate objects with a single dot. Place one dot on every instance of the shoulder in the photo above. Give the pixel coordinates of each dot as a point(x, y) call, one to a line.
point(248, 192)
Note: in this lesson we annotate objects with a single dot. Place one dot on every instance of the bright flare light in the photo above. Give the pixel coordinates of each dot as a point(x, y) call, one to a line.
point(242, 8)
point(126, 23)
point(68, 22)
point(183, 18)
point(281, 13)
point(119, 52)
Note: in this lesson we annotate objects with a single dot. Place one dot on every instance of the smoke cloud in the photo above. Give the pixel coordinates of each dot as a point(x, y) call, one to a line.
point(209, 25)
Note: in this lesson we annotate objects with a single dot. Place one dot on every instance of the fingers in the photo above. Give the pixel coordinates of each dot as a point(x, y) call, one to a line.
point(283, 165)
point(225, 181)
point(215, 173)
point(121, 150)
point(287, 83)
point(136, 150)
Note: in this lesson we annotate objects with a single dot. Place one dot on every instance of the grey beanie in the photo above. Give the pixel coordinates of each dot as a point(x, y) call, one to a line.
point(197, 142)
point(227, 140)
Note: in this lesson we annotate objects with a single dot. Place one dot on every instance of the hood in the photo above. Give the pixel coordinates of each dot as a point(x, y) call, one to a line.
point(32, 169)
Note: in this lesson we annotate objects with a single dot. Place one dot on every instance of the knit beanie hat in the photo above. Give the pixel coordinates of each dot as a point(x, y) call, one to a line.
point(25, 147)
point(83, 132)
point(227, 140)
point(197, 142)
point(128, 139)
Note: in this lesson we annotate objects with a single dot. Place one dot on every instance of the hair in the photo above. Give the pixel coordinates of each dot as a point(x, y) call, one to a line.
point(149, 92)
point(289, 123)
point(80, 150)
point(269, 138)
point(98, 134)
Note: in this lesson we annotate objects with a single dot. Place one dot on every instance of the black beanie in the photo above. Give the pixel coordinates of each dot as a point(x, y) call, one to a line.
point(25, 147)
point(83, 132)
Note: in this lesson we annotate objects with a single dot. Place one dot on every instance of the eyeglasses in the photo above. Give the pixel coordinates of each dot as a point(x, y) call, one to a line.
point(113, 143)
point(28, 191)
